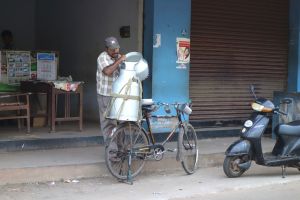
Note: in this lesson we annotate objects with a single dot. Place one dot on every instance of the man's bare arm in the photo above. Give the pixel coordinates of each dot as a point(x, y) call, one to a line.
point(109, 70)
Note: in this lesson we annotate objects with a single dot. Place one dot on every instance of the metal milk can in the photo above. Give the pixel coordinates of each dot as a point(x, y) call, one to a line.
point(127, 91)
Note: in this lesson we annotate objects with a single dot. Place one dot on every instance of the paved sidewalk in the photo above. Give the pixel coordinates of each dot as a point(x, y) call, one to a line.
point(88, 162)
point(174, 185)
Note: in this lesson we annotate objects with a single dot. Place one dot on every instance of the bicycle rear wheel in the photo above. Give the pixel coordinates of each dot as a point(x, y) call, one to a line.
point(127, 137)
point(188, 148)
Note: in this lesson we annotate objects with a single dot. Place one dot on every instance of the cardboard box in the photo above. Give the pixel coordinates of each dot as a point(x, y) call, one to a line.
point(39, 121)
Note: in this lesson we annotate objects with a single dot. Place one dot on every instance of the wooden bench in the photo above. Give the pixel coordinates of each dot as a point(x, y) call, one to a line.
point(18, 102)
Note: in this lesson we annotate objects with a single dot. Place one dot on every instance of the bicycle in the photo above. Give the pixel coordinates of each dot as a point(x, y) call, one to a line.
point(130, 145)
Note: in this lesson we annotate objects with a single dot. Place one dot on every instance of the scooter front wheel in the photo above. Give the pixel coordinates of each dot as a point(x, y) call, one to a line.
point(231, 166)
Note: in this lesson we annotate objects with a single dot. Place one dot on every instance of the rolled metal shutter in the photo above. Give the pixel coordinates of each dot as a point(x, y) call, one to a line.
point(235, 43)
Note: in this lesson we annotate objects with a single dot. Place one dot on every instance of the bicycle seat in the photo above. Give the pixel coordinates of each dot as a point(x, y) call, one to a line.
point(148, 102)
point(148, 108)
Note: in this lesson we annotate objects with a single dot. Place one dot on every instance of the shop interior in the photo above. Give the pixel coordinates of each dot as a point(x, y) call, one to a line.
point(54, 48)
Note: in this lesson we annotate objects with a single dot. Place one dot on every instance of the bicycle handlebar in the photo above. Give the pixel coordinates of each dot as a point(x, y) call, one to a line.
point(169, 104)
point(181, 107)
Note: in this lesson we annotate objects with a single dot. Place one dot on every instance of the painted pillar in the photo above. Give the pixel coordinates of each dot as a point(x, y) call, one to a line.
point(170, 20)
point(164, 22)
point(170, 83)
point(294, 48)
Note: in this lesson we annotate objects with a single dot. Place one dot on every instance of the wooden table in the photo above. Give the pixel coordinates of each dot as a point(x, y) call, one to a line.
point(52, 101)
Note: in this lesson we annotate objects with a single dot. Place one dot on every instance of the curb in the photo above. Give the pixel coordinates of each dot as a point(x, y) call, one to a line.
point(27, 144)
point(93, 170)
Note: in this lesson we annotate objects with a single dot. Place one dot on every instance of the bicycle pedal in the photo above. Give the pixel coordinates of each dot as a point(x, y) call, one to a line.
point(171, 150)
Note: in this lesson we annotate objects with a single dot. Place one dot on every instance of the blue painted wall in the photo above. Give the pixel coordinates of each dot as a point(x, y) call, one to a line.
point(171, 17)
point(294, 48)
point(168, 82)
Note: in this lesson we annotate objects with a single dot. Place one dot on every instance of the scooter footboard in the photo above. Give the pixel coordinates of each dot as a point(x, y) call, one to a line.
point(239, 147)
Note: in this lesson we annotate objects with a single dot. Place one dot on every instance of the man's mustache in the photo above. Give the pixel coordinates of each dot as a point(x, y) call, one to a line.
point(115, 55)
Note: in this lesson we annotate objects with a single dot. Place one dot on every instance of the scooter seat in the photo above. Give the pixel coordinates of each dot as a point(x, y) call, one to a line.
point(291, 128)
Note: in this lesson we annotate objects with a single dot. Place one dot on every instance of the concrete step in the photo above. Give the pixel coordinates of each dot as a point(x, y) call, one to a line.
point(40, 143)
point(88, 162)
point(42, 140)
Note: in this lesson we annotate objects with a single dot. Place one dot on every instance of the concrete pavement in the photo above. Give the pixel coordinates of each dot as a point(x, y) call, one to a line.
point(167, 185)
point(88, 162)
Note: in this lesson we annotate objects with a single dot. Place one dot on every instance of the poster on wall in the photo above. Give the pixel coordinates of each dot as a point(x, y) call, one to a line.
point(3, 67)
point(33, 74)
point(18, 66)
point(46, 66)
point(183, 50)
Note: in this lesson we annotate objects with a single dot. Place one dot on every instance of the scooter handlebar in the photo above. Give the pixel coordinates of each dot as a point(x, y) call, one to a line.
point(277, 111)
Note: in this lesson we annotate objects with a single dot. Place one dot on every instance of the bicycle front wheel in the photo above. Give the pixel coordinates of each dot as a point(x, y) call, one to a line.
point(188, 148)
point(127, 137)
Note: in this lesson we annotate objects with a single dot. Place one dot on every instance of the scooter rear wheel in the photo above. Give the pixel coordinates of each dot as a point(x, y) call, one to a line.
point(231, 168)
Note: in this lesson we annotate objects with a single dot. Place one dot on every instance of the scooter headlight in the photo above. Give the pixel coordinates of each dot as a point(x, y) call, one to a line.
point(260, 108)
point(257, 107)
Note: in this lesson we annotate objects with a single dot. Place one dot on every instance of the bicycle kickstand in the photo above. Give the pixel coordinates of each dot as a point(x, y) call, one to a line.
point(129, 175)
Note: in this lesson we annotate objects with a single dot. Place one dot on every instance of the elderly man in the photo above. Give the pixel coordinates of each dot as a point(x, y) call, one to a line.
point(108, 67)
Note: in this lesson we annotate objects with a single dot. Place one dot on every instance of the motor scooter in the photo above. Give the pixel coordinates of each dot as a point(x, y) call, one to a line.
point(285, 153)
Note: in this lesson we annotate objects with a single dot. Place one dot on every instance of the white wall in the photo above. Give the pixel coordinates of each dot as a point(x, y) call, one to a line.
point(19, 17)
point(77, 29)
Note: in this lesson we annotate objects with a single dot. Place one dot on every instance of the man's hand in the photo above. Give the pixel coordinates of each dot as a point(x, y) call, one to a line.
point(122, 58)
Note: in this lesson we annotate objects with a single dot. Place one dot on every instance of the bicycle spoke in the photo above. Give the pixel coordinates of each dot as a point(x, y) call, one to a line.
point(126, 139)
point(135, 140)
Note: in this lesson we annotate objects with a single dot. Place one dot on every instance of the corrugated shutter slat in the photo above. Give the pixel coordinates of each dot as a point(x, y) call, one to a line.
point(235, 43)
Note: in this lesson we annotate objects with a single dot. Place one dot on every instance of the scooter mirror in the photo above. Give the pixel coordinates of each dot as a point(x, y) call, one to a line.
point(286, 101)
point(253, 91)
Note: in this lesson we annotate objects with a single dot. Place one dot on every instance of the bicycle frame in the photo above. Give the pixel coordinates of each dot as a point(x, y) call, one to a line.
point(173, 130)
point(146, 146)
